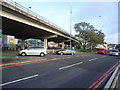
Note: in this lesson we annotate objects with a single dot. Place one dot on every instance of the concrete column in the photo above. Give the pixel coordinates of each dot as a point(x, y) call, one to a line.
point(23, 44)
point(63, 45)
point(73, 45)
point(46, 43)
point(70, 43)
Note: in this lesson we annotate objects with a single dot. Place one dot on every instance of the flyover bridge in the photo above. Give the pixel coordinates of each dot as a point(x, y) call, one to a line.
point(24, 24)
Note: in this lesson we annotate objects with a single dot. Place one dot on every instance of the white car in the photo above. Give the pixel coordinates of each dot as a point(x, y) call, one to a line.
point(34, 51)
point(114, 52)
point(66, 51)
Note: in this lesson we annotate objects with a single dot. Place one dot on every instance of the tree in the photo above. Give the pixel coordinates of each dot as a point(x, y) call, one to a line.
point(81, 29)
point(88, 34)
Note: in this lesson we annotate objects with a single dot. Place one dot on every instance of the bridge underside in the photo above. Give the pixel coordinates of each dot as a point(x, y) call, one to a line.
point(24, 25)
point(24, 31)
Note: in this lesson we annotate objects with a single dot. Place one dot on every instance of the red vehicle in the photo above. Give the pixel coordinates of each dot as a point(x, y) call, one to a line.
point(102, 51)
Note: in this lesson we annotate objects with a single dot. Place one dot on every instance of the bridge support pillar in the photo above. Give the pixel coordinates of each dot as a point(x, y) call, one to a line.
point(63, 45)
point(46, 43)
point(23, 44)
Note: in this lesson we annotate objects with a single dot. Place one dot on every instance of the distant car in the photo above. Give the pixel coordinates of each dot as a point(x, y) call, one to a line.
point(119, 50)
point(66, 51)
point(102, 51)
point(34, 51)
point(114, 52)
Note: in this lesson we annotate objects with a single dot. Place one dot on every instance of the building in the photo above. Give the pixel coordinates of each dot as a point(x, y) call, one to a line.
point(102, 46)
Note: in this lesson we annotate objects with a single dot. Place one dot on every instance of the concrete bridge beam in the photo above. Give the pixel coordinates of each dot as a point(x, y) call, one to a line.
point(49, 37)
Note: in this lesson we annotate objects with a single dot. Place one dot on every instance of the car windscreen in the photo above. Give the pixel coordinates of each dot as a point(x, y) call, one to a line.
point(69, 49)
point(102, 49)
point(36, 48)
point(30, 48)
point(113, 51)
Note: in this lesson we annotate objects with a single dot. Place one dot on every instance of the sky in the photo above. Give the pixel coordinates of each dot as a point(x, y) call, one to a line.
point(58, 12)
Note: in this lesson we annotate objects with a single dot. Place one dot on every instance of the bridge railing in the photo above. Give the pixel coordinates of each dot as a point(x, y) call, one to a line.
point(28, 11)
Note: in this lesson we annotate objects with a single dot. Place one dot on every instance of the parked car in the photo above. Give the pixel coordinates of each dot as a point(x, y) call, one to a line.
point(66, 51)
point(102, 51)
point(114, 52)
point(18, 47)
point(33, 51)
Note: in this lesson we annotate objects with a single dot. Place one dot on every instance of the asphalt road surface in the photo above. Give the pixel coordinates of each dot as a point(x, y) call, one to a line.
point(71, 71)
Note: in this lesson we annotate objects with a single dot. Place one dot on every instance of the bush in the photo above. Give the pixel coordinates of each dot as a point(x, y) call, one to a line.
point(86, 50)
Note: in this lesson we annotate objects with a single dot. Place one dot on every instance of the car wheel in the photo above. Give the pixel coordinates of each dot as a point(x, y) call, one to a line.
point(42, 54)
point(61, 53)
point(23, 54)
point(72, 53)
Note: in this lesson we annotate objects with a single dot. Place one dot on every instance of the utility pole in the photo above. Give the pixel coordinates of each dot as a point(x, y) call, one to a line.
point(70, 25)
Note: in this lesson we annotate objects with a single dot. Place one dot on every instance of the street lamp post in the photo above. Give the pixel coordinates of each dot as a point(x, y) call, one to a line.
point(29, 8)
point(70, 25)
point(34, 39)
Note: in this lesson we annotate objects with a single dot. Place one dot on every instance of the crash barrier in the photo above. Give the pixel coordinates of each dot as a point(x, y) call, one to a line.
point(113, 82)
point(105, 80)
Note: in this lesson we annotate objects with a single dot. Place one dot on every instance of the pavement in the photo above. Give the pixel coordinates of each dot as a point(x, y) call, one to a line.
point(56, 71)
point(12, 58)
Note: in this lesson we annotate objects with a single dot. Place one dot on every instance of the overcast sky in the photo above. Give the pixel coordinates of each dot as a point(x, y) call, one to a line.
point(59, 13)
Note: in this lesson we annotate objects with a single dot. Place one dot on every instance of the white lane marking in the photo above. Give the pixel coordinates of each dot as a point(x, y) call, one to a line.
point(103, 57)
point(54, 59)
point(93, 59)
point(19, 80)
point(84, 55)
point(70, 65)
point(68, 57)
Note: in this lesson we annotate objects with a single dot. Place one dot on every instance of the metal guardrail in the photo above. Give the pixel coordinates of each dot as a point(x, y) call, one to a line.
point(112, 82)
point(28, 11)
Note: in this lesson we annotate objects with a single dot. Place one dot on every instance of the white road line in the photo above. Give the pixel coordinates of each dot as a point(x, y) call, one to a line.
point(103, 57)
point(84, 55)
point(93, 59)
point(54, 59)
point(68, 57)
point(19, 80)
point(70, 65)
